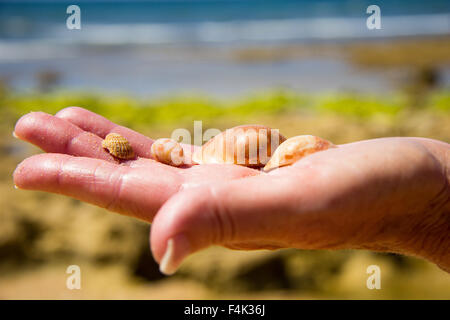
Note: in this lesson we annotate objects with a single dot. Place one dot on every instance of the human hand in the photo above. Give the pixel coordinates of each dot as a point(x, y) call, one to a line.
point(76, 164)
point(387, 195)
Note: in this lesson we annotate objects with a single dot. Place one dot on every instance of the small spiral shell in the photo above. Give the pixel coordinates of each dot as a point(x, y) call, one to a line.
point(295, 148)
point(168, 151)
point(118, 146)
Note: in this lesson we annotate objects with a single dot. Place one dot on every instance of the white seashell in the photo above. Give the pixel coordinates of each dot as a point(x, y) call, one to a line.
point(168, 151)
point(295, 148)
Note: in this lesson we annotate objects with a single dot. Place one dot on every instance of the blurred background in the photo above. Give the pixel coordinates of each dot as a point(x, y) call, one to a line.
point(305, 67)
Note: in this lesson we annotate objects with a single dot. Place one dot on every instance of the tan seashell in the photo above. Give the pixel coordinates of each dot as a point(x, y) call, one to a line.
point(295, 148)
point(248, 145)
point(118, 146)
point(168, 151)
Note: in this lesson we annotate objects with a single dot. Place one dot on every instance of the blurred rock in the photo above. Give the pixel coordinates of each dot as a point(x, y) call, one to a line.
point(145, 267)
point(48, 80)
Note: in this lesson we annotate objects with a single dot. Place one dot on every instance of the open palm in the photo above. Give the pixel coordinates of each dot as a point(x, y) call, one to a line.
point(76, 165)
point(388, 194)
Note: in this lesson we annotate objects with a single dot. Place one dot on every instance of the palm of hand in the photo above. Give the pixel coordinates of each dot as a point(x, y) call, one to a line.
point(345, 197)
point(76, 165)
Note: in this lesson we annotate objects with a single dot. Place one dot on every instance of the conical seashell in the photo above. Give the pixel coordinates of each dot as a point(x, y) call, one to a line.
point(118, 146)
point(168, 151)
point(248, 145)
point(295, 148)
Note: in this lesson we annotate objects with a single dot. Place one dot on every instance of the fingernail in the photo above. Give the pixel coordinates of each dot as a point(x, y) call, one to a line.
point(15, 135)
point(176, 250)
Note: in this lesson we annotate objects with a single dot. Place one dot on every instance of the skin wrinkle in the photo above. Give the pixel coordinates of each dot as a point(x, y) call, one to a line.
point(440, 203)
point(396, 232)
point(417, 211)
point(410, 243)
point(59, 173)
point(94, 176)
point(364, 231)
point(438, 244)
point(118, 183)
point(180, 185)
point(436, 225)
point(222, 215)
point(435, 148)
point(218, 235)
point(257, 244)
point(382, 239)
point(62, 173)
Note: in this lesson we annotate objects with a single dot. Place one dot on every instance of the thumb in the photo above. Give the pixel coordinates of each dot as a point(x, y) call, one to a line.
point(186, 223)
point(255, 212)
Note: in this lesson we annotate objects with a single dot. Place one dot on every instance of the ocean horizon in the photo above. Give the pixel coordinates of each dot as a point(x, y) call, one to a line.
point(208, 22)
point(155, 39)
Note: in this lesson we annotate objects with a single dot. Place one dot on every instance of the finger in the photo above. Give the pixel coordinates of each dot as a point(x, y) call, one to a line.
point(137, 192)
point(248, 211)
point(100, 126)
point(56, 135)
point(92, 122)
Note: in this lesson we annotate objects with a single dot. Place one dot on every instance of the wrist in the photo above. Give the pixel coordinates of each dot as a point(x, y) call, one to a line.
point(432, 232)
point(418, 222)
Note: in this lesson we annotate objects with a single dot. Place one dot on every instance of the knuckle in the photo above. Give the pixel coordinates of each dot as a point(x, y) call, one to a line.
point(69, 112)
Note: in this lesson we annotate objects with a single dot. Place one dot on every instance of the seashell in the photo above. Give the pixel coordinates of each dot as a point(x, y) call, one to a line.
point(118, 146)
point(248, 145)
point(168, 151)
point(295, 148)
